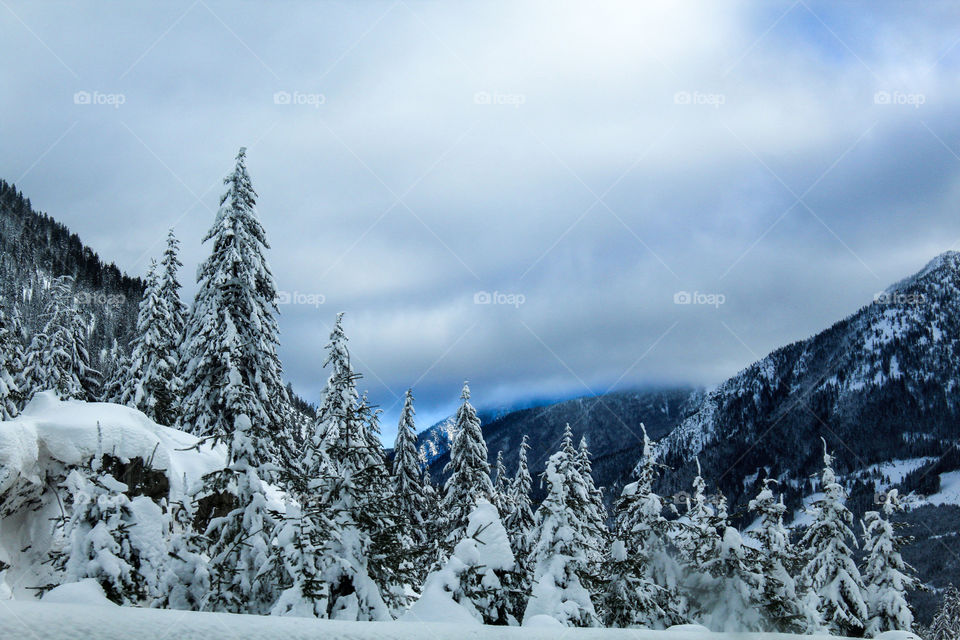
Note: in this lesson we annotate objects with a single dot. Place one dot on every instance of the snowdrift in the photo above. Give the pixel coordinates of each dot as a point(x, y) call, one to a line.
point(48, 621)
point(50, 437)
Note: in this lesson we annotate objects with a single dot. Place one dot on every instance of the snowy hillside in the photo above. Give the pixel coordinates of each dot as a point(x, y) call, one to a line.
point(43, 621)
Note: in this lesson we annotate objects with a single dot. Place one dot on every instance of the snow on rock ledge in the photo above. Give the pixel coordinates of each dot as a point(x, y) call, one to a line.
point(72, 432)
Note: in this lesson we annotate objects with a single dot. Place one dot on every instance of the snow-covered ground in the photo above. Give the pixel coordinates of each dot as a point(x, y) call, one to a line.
point(55, 621)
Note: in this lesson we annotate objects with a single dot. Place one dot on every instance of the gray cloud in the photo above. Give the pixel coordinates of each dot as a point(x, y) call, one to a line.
point(594, 159)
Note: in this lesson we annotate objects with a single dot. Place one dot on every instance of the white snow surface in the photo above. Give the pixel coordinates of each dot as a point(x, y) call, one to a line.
point(48, 621)
point(72, 432)
point(87, 592)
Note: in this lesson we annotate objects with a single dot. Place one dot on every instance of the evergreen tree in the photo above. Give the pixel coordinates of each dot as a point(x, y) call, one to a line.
point(241, 548)
point(304, 593)
point(776, 561)
point(231, 335)
point(501, 486)
point(641, 579)
point(11, 366)
point(518, 520)
point(355, 514)
point(346, 467)
point(57, 358)
point(886, 575)
point(99, 538)
point(722, 588)
point(596, 511)
point(946, 622)
point(408, 488)
point(115, 374)
point(563, 536)
point(151, 383)
point(469, 472)
point(186, 579)
point(473, 576)
point(832, 582)
point(170, 288)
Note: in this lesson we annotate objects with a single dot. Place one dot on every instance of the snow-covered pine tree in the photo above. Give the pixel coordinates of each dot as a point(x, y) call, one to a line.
point(519, 522)
point(345, 467)
point(501, 485)
point(563, 536)
point(11, 365)
point(473, 575)
point(887, 576)
point(234, 312)
point(115, 374)
point(151, 382)
point(339, 394)
point(300, 565)
point(776, 562)
point(597, 511)
point(170, 288)
point(241, 540)
point(432, 521)
point(98, 538)
point(640, 578)
point(698, 539)
point(946, 622)
point(57, 357)
point(736, 601)
point(354, 511)
point(186, 579)
point(831, 580)
point(408, 488)
point(469, 472)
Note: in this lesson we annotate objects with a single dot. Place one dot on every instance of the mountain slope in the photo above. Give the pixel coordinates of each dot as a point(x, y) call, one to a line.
point(34, 248)
point(611, 424)
point(880, 385)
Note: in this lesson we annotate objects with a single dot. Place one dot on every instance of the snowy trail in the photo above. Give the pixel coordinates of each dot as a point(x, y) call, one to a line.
point(22, 620)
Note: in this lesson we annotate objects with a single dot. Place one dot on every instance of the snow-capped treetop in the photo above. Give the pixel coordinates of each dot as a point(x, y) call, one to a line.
point(518, 519)
point(407, 481)
point(170, 286)
point(233, 313)
point(831, 577)
point(150, 381)
point(887, 576)
point(469, 471)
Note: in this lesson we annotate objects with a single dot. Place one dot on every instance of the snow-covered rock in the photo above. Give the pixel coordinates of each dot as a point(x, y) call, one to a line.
point(52, 436)
point(66, 433)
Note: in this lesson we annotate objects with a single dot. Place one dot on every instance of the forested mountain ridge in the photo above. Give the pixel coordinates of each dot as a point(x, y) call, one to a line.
point(35, 248)
point(879, 385)
point(609, 422)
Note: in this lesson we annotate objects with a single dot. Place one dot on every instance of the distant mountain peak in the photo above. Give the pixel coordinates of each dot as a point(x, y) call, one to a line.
point(947, 264)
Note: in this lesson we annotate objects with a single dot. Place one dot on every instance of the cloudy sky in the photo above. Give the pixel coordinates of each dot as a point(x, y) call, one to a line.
point(578, 167)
